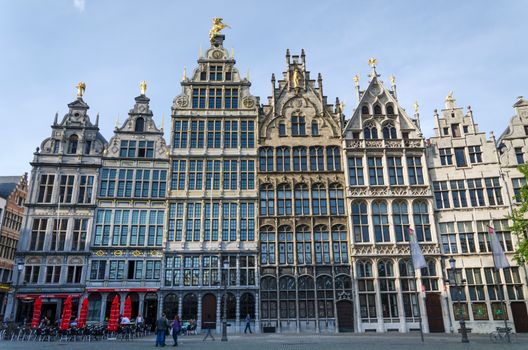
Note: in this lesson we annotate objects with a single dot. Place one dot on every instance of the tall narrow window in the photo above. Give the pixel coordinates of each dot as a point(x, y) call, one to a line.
point(73, 142)
point(414, 168)
point(446, 158)
point(377, 109)
point(319, 199)
point(339, 244)
point(375, 169)
point(304, 245)
point(380, 219)
point(422, 225)
point(316, 158)
point(337, 205)
point(282, 129)
point(360, 227)
point(395, 170)
point(370, 132)
point(365, 110)
point(66, 188)
point(389, 132)
point(267, 245)
point(400, 218)
point(215, 98)
point(455, 130)
point(476, 192)
point(45, 188)
point(140, 125)
point(475, 154)
point(493, 189)
point(458, 192)
point(387, 286)
point(300, 162)
point(284, 200)
point(198, 98)
point(302, 200)
point(267, 200)
point(355, 171)
point(283, 159)
point(322, 244)
point(286, 251)
point(315, 128)
point(266, 159)
point(333, 159)
point(519, 155)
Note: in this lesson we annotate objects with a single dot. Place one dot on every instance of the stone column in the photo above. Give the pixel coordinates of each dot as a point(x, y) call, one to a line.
point(160, 305)
point(219, 316)
point(199, 316)
point(257, 311)
point(237, 321)
point(141, 305)
point(180, 305)
point(122, 298)
point(104, 297)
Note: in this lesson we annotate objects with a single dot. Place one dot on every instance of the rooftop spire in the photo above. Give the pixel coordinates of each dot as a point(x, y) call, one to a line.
point(372, 62)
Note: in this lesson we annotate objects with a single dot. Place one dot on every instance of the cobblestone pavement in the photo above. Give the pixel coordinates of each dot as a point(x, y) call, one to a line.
point(385, 341)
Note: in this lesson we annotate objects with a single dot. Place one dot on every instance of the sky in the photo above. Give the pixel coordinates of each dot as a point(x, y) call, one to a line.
point(475, 48)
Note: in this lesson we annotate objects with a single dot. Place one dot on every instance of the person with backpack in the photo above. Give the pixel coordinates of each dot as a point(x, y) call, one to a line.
point(176, 328)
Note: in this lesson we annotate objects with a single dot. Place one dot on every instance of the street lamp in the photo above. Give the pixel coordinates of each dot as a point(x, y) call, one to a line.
point(224, 322)
point(463, 330)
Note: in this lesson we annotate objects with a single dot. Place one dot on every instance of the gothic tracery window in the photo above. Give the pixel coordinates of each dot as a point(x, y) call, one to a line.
point(389, 131)
point(370, 132)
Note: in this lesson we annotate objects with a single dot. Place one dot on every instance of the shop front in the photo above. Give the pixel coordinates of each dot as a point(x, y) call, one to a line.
point(51, 306)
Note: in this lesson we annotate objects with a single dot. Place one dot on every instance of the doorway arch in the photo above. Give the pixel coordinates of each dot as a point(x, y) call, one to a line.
point(345, 316)
point(209, 311)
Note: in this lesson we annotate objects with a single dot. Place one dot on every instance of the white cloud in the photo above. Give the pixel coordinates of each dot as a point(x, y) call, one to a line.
point(79, 4)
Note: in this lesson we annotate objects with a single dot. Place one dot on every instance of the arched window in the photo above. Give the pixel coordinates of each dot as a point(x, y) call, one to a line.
point(170, 305)
point(360, 228)
point(337, 201)
point(389, 131)
point(284, 200)
point(387, 287)
point(316, 158)
point(300, 162)
point(421, 221)
point(365, 110)
point(322, 244)
point(266, 159)
point(343, 283)
point(380, 219)
point(315, 128)
point(282, 129)
point(302, 200)
point(377, 109)
point(267, 200)
point(430, 276)
point(283, 159)
point(267, 245)
point(287, 297)
point(247, 306)
point(231, 305)
point(400, 218)
point(298, 125)
point(73, 142)
point(333, 158)
point(367, 293)
point(306, 287)
point(339, 244)
point(319, 199)
point(285, 245)
point(408, 288)
point(390, 109)
point(190, 307)
point(370, 132)
point(325, 297)
point(140, 125)
point(268, 298)
point(304, 245)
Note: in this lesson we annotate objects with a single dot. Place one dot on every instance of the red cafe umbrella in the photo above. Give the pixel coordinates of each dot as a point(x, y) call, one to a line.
point(127, 312)
point(66, 314)
point(36, 312)
point(81, 322)
point(114, 315)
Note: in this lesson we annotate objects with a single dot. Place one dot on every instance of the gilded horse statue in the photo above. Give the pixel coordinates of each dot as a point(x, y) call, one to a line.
point(217, 27)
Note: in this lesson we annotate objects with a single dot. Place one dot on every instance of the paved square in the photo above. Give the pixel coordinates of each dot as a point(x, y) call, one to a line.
point(291, 342)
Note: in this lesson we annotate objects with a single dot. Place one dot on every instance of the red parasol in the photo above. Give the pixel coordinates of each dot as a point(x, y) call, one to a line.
point(114, 315)
point(66, 314)
point(81, 322)
point(127, 312)
point(36, 312)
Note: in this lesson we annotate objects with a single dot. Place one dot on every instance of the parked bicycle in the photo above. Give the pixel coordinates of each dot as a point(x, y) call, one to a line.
point(501, 335)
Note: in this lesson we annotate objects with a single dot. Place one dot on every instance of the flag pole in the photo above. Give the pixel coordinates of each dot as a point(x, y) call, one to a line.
point(499, 285)
point(415, 287)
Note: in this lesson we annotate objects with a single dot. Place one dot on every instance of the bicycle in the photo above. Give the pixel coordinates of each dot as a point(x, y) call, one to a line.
point(501, 335)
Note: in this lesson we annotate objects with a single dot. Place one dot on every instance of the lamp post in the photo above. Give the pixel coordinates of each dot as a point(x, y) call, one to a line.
point(225, 269)
point(463, 330)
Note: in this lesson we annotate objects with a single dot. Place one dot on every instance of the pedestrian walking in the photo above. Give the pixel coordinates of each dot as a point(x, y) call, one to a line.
point(176, 328)
point(161, 328)
point(248, 324)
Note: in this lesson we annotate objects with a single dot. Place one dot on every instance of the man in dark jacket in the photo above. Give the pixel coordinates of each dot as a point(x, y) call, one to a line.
point(162, 324)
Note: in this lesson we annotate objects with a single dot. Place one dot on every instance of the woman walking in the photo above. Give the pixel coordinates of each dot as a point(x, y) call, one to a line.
point(176, 327)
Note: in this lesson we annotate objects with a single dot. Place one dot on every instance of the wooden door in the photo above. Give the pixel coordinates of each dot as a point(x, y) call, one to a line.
point(520, 316)
point(209, 311)
point(433, 306)
point(345, 316)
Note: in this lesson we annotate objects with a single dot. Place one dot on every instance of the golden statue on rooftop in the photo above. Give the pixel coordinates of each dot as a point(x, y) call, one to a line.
point(449, 96)
point(216, 28)
point(372, 62)
point(143, 87)
point(296, 78)
point(80, 89)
